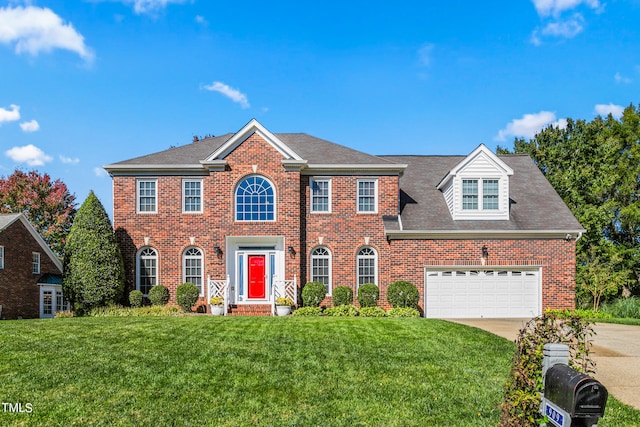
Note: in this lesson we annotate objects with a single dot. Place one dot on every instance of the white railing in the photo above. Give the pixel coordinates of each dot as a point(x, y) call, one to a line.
point(284, 288)
point(219, 288)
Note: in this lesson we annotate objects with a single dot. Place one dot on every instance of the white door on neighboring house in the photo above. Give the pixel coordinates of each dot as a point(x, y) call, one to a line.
point(51, 301)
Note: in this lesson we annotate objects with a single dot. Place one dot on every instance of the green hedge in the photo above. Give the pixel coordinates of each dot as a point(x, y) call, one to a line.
point(342, 295)
point(187, 295)
point(313, 293)
point(159, 295)
point(136, 298)
point(402, 294)
point(368, 295)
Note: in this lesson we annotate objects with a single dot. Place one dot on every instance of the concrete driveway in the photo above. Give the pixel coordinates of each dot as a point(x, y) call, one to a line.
point(616, 351)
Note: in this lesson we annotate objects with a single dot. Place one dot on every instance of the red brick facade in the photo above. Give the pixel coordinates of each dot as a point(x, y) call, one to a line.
point(343, 231)
point(19, 291)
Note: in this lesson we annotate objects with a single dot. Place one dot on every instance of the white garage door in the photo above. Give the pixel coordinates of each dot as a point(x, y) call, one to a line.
point(476, 294)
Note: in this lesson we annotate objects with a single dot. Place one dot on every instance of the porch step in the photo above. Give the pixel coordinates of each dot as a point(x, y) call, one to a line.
point(250, 310)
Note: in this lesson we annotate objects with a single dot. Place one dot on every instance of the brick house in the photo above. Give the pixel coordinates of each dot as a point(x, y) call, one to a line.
point(30, 273)
point(260, 214)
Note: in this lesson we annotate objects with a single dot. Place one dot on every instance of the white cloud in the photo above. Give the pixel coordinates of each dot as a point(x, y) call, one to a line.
point(69, 160)
point(529, 125)
point(556, 7)
point(554, 21)
point(99, 172)
point(149, 6)
point(33, 30)
point(619, 78)
point(30, 126)
point(567, 29)
point(29, 154)
point(10, 115)
point(424, 53)
point(231, 93)
point(606, 109)
point(202, 20)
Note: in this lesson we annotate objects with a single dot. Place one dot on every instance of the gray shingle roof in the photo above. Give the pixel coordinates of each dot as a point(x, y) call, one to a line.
point(312, 149)
point(534, 204)
point(7, 219)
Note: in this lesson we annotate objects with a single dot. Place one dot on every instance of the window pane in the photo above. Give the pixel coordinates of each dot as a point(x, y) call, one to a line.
point(148, 268)
point(192, 196)
point(366, 196)
point(35, 263)
point(146, 196)
point(193, 267)
point(47, 302)
point(320, 196)
point(469, 194)
point(255, 200)
point(490, 194)
point(366, 266)
point(320, 267)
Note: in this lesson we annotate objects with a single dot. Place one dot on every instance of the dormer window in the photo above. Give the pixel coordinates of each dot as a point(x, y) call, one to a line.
point(472, 188)
point(477, 188)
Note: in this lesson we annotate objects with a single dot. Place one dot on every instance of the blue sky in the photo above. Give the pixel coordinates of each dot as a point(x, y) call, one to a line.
point(88, 83)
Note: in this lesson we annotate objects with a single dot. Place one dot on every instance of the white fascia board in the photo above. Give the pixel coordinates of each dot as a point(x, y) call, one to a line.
point(243, 134)
point(482, 234)
point(333, 169)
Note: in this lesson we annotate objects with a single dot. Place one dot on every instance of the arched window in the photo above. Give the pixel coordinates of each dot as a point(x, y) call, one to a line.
point(367, 261)
point(147, 270)
point(321, 267)
point(192, 267)
point(255, 200)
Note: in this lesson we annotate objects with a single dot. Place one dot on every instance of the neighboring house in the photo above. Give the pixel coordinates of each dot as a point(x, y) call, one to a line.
point(30, 273)
point(479, 235)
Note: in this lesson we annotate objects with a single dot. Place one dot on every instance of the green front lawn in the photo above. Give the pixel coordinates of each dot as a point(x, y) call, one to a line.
point(253, 371)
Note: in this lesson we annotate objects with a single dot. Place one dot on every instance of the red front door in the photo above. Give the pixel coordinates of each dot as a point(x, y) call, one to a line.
point(257, 288)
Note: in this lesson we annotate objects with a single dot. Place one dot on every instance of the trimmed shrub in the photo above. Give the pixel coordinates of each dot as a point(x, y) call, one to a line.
point(63, 314)
point(522, 390)
point(309, 311)
point(159, 295)
point(135, 298)
point(313, 293)
point(342, 295)
point(187, 295)
point(368, 295)
point(402, 294)
point(342, 311)
point(148, 311)
point(372, 312)
point(403, 312)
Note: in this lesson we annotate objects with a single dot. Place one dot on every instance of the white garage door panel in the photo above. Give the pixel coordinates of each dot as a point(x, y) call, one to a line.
point(475, 294)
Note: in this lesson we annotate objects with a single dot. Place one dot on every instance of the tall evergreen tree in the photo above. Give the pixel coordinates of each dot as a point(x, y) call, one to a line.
point(94, 270)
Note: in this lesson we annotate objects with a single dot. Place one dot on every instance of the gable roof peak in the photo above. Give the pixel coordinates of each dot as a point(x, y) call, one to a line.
point(243, 134)
point(482, 151)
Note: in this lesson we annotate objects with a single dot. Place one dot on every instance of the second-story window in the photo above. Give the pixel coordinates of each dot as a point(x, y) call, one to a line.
point(255, 200)
point(192, 195)
point(147, 196)
point(320, 195)
point(367, 196)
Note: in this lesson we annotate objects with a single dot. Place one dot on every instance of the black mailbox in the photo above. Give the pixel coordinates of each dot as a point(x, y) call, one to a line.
point(578, 394)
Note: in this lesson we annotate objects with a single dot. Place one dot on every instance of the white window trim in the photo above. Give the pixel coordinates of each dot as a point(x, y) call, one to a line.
point(319, 179)
point(141, 180)
point(480, 194)
point(1, 257)
point(184, 196)
point(35, 262)
point(375, 189)
point(375, 265)
point(138, 258)
point(184, 266)
point(330, 258)
point(235, 201)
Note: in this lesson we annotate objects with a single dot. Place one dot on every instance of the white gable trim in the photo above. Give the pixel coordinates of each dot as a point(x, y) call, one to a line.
point(480, 151)
point(243, 134)
point(38, 238)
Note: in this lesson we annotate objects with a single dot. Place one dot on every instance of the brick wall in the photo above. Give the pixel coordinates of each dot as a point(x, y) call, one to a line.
point(555, 256)
point(19, 292)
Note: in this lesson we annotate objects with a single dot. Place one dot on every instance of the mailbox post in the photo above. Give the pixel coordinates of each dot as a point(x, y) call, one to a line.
point(570, 398)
